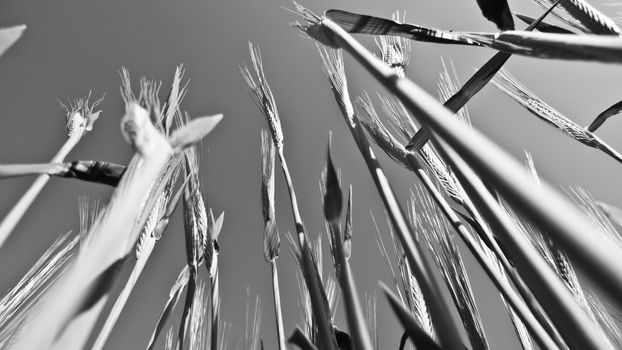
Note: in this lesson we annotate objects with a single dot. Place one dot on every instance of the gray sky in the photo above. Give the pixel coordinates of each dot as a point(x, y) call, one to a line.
point(71, 47)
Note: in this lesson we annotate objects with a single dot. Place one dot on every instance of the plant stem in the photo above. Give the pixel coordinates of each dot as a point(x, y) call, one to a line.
point(354, 313)
point(277, 305)
point(19, 209)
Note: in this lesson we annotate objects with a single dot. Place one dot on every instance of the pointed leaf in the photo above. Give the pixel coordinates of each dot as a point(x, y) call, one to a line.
point(193, 132)
point(333, 200)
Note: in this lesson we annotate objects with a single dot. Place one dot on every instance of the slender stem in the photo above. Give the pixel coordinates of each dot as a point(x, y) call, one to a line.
point(312, 279)
point(354, 313)
point(215, 310)
point(541, 336)
point(277, 305)
point(19, 209)
point(292, 197)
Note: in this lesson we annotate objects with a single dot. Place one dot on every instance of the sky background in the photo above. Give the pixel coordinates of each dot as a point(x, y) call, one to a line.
point(72, 47)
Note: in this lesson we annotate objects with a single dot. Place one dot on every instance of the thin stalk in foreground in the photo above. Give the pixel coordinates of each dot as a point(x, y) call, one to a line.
point(80, 119)
point(547, 209)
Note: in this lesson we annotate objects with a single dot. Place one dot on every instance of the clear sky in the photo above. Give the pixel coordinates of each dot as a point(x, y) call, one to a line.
point(71, 47)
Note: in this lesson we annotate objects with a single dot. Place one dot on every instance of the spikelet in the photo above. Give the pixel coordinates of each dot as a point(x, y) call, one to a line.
point(312, 26)
point(509, 85)
point(394, 50)
point(379, 133)
point(262, 94)
point(447, 256)
point(448, 86)
point(272, 239)
point(332, 64)
point(597, 216)
point(583, 16)
point(80, 115)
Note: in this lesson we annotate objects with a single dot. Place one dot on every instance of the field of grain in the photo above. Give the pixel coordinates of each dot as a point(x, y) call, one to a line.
point(271, 175)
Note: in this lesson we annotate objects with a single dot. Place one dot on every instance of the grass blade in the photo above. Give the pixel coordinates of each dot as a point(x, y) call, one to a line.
point(543, 26)
point(357, 23)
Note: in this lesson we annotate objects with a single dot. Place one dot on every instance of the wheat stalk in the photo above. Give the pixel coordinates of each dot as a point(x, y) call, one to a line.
point(263, 97)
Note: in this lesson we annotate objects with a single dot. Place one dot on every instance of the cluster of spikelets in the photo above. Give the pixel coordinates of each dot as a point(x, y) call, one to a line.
point(526, 236)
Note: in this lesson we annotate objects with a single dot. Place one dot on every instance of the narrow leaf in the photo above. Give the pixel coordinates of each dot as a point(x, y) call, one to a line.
point(543, 26)
point(356, 23)
point(193, 132)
